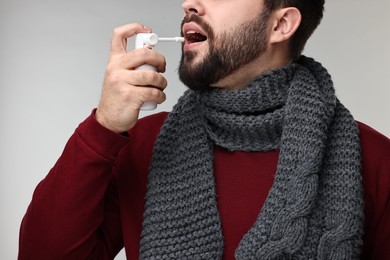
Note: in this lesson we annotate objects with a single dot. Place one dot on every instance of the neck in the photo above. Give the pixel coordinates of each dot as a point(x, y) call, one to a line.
point(244, 75)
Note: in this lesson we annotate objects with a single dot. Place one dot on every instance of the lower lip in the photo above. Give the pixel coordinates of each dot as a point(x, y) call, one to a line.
point(188, 46)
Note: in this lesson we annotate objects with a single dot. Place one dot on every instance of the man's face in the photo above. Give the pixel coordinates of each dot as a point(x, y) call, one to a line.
point(211, 53)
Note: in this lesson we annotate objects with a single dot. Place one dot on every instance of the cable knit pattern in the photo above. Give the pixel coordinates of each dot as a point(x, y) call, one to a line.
point(314, 209)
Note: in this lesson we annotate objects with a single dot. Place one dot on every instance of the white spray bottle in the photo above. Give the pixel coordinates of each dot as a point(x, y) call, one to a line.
point(149, 40)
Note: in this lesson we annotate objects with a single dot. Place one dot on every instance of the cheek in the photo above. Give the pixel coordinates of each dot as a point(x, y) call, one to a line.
point(234, 13)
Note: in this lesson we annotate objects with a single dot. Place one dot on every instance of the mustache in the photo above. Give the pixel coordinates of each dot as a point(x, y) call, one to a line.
point(198, 20)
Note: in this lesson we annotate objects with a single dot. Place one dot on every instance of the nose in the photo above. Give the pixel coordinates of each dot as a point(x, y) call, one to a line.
point(193, 7)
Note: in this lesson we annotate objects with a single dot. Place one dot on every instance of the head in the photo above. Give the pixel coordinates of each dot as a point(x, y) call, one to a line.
point(229, 43)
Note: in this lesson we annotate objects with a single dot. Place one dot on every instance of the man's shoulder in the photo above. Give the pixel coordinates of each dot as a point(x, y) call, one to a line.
point(375, 150)
point(372, 140)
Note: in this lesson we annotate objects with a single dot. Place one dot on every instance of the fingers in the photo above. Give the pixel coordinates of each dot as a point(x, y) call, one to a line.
point(137, 78)
point(126, 89)
point(121, 33)
point(138, 57)
point(134, 58)
point(124, 92)
point(148, 94)
point(121, 99)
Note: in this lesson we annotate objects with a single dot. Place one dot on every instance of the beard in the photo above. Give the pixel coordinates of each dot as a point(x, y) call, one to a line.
point(227, 53)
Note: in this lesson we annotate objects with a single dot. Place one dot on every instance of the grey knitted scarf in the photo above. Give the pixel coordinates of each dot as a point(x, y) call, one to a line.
point(314, 209)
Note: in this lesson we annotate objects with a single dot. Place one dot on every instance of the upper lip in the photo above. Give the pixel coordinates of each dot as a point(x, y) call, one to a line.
point(191, 26)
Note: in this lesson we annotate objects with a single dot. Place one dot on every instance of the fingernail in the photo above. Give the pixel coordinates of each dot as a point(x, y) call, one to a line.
point(147, 28)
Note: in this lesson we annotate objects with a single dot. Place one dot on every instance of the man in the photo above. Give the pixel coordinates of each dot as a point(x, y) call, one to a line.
point(258, 160)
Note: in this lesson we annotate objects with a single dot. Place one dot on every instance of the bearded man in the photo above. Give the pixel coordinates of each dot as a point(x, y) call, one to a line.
point(257, 160)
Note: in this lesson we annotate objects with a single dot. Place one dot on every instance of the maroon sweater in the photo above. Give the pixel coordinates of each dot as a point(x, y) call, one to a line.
point(91, 203)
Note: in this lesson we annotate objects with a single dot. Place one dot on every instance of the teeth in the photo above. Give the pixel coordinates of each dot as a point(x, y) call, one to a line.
point(193, 36)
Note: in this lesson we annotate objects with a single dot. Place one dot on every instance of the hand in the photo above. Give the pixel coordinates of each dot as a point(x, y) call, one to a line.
point(125, 89)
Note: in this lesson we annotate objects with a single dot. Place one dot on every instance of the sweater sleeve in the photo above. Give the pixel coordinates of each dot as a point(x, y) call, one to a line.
point(74, 211)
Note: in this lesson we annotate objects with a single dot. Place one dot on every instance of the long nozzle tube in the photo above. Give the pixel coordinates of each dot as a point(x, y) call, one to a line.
point(171, 39)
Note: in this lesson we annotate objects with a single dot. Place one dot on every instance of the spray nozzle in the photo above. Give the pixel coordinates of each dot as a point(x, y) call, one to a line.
point(149, 40)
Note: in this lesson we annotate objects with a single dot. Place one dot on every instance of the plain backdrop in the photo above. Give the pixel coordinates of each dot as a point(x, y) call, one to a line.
point(52, 61)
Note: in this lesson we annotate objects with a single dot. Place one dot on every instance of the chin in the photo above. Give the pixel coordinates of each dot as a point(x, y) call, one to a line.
point(194, 56)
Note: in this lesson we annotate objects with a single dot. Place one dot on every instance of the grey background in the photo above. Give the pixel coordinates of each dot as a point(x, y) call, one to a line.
point(52, 61)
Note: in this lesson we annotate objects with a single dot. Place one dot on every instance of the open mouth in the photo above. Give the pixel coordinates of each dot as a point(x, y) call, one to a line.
point(192, 36)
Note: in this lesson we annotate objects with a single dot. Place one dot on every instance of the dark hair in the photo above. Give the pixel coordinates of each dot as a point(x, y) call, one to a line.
point(311, 12)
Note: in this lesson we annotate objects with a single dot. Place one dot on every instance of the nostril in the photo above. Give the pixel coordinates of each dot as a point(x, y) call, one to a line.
point(192, 7)
point(190, 11)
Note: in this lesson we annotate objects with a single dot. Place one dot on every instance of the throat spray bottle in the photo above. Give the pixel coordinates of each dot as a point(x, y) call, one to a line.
point(150, 40)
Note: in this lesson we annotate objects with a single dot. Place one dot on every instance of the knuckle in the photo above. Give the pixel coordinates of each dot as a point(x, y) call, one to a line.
point(143, 51)
point(142, 77)
point(126, 94)
point(162, 98)
point(154, 79)
point(161, 82)
point(117, 31)
point(163, 61)
point(151, 94)
point(164, 82)
point(110, 68)
point(115, 78)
